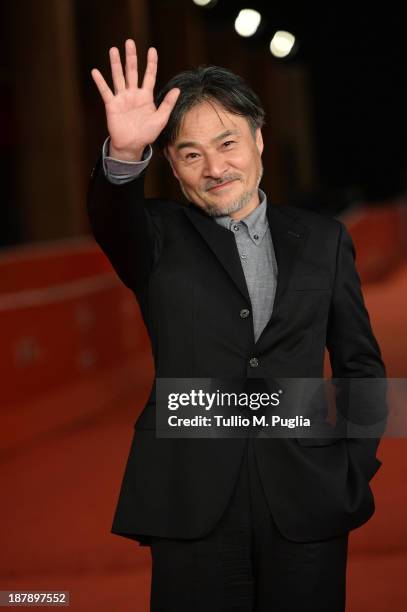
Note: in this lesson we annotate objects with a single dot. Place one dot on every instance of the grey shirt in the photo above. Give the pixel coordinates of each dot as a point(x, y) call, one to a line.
point(252, 235)
point(254, 243)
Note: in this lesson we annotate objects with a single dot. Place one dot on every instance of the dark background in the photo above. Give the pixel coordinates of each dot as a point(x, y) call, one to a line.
point(335, 110)
point(356, 60)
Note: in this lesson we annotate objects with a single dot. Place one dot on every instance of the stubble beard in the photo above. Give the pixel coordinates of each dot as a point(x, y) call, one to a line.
point(222, 211)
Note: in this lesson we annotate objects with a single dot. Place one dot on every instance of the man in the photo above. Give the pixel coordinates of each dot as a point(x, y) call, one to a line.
point(234, 523)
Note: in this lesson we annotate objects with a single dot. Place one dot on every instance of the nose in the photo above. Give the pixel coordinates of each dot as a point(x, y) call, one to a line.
point(215, 165)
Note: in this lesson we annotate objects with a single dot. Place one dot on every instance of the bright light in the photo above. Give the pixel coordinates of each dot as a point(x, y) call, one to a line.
point(203, 2)
point(282, 43)
point(247, 22)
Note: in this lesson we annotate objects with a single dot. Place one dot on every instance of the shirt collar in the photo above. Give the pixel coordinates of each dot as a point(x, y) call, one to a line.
point(256, 221)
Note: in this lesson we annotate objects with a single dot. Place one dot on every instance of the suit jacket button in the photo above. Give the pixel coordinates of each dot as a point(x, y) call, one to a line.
point(244, 313)
point(254, 362)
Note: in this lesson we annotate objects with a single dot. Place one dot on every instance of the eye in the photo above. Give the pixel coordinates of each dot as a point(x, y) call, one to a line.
point(228, 142)
point(191, 155)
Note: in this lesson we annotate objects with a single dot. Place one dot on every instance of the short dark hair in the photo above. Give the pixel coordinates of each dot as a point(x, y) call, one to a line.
point(209, 83)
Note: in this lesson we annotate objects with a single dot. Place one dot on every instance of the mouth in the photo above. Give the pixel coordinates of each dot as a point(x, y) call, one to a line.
point(218, 187)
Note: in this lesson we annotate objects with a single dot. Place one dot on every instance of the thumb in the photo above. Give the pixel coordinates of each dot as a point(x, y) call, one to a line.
point(167, 105)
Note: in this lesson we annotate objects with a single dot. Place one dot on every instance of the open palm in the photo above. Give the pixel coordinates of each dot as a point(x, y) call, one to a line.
point(133, 121)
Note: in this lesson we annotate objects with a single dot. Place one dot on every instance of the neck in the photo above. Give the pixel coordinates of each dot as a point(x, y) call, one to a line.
point(248, 208)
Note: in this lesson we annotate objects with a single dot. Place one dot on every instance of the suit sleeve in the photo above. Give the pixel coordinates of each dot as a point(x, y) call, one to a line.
point(126, 226)
point(118, 171)
point(357, 367)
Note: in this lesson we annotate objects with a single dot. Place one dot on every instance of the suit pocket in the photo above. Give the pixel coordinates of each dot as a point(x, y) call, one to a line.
point(326, 436)
point(308, 282)
point(329, 441)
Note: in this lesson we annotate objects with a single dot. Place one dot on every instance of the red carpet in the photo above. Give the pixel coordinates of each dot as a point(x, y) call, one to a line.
point(64, 448)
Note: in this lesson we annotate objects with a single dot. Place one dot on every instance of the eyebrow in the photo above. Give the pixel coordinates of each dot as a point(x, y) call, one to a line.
point(194, 143)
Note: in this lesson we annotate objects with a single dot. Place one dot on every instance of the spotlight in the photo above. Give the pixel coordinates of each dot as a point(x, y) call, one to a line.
point(282, 43)
point(247, 22)
point(206, 3)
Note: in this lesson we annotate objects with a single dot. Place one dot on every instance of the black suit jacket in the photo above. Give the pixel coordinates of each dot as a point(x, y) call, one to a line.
point(185, 272)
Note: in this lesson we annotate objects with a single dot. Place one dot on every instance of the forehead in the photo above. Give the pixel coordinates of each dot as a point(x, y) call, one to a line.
point(208, 118)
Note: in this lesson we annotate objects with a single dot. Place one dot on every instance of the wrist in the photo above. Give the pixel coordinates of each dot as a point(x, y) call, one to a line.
point(126, 155)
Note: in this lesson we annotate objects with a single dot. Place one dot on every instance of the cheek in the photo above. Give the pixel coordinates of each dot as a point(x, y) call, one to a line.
point(191, 185)
point(245, 164)
point(192, 181)
point(254, 167)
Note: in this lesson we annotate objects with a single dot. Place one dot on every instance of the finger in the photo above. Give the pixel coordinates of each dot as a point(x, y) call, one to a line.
point(117, 71)
point(168, 103)
point(131, 64)
point(151, 69)
point(102, 86)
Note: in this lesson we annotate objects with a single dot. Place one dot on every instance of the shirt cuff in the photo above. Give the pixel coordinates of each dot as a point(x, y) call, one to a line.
point(117, 171)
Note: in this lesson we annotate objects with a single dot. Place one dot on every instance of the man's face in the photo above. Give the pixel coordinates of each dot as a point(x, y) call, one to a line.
point(217, 160)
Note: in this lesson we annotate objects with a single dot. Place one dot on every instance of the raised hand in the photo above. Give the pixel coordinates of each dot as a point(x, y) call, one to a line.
point(133, 121)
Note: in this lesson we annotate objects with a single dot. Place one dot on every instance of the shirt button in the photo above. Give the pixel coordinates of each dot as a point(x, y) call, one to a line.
point(256, 237)
point(254, 362)
point(235, 228)
point(243, 256)
point(244, 313)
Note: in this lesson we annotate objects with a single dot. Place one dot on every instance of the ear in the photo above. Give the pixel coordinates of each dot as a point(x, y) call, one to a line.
point(259, 140)
point(167, 155)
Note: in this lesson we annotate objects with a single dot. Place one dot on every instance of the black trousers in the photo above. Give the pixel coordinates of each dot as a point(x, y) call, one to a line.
point(246, 565)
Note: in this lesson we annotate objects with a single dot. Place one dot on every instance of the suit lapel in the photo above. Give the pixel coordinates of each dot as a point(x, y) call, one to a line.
point(223, 244)
point(288, 236)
